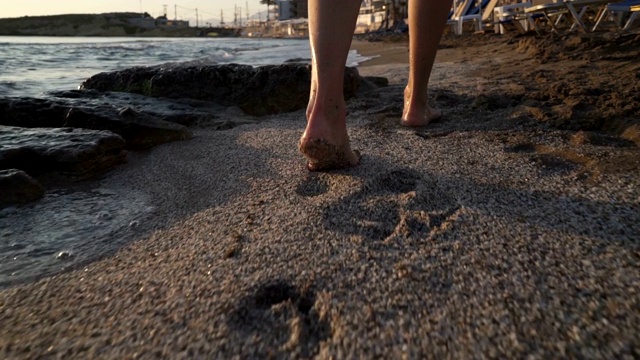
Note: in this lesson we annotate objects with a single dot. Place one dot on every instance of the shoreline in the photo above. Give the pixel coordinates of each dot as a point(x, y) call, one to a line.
point(384, 53)
point(510, 217)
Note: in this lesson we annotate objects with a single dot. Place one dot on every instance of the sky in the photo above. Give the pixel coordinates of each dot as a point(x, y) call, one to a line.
point(208, 10)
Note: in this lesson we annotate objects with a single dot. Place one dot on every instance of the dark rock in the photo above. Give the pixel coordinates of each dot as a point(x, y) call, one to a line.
point(133, 80)
point(31, 112)
point(139, 130)
point(16, 187)
point(78, 153)
point(298, 61)
point(257, 91)
point(186, 112)
point(379, 81)
point(370, 85)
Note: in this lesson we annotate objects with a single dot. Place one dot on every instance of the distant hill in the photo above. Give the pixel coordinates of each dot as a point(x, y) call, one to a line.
point(108, 24)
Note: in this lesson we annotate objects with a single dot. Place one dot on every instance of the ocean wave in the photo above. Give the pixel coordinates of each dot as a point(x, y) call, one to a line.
point(355, 58)
point(10, 88)
point(227, 55)
point(203, 61)
point(117, 48)
point(9, 84)
point(33, 235)
point(58, 66)
point(256, 48)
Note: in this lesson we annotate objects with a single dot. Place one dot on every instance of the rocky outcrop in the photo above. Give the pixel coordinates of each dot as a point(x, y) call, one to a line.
point(32, 112)
point(77, 153)
point(257, 91)
point(16, 187)
point(140, 130)
point(82, 133)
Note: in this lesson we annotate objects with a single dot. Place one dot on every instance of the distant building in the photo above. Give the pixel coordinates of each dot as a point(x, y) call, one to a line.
point(377, 14)
point(372, 15)
point(292, 9)
point(162, 21)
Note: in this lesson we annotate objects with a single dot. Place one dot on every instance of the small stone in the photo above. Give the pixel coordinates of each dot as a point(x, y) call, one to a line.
point(16, 186)
point(125, 112)
point(232, 251)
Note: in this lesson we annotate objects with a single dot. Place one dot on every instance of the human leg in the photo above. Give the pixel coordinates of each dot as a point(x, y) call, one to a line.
point(325, 141)
point(427, 19)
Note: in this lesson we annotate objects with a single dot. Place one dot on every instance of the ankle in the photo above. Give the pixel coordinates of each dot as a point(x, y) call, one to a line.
point(332, 114)
point(413, 99)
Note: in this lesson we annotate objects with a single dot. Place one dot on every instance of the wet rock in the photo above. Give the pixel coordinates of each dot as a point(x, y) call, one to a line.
point(257, 91)
point(16, 187)
point(139, 130)
point(31, 112)
point(298, 61)
point(379, 81)
point(78, 153)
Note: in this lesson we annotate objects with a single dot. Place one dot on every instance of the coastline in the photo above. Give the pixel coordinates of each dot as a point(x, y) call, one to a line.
point(495, 231)
point(383, 53)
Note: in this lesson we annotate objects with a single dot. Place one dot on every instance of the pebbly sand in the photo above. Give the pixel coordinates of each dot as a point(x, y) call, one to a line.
point(493, 233)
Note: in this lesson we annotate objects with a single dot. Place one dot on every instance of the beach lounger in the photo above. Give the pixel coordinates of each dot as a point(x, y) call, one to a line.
point(548, 10)
point(487, 11)
point(583, 5)
point(512, 14)
point(576, 8)
point(635, 13)
point(458, 9)
point(621, 9)
point(466, 12)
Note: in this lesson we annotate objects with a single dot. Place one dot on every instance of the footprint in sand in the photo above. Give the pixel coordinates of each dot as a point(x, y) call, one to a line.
point(398, 199)
point(287, 314)
point(431, 211)
point(550, 161)
point(313, 185)
point(396, 181)
point(551, 165)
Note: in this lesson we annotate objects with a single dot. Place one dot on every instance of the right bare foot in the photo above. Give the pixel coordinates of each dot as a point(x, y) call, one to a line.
point(322, 155)
point(417, 113)
point(325, 141)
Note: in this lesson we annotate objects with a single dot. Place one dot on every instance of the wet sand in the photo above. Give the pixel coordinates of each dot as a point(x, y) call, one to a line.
point(507, 229)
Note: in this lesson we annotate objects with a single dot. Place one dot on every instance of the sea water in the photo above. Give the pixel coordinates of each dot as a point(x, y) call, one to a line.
point(68, 228)
point(32, 66)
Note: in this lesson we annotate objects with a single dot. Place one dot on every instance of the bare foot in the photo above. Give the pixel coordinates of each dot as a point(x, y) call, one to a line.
point(322, 155)
point(325, 141)
point(417, 115)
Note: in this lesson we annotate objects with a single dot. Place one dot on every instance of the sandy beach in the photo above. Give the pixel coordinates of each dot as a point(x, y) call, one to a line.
point(508, 229)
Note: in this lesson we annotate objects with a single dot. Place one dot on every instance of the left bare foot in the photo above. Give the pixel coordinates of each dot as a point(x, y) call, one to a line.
point(417, 115)
point(322, 155)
